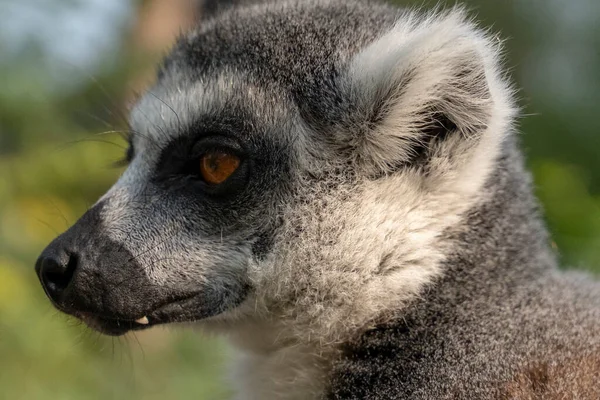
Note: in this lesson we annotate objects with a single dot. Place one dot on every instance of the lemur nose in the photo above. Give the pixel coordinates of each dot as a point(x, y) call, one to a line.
point(56, 268)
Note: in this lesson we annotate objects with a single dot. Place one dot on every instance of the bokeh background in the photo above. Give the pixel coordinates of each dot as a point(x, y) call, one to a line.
point(68, 69)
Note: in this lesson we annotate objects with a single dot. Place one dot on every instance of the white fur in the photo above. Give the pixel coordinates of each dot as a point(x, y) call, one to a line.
point(168, 109)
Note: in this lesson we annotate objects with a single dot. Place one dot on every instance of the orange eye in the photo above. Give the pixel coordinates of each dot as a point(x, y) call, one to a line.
point(216, 167)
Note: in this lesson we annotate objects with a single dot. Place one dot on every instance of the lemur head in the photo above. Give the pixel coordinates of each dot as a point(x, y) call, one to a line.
point(295, 161)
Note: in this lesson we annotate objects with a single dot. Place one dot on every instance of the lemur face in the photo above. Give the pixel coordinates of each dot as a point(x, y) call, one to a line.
point(299, 170)
point(174, 238)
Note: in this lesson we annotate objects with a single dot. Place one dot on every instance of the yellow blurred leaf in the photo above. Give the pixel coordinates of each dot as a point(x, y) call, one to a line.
point(14, 288)
point(43, 218)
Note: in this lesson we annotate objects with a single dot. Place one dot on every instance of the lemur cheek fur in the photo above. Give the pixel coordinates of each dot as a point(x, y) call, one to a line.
point(336, 186)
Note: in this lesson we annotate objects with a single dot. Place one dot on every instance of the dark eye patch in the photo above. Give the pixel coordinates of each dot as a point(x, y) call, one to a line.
point(179, 165)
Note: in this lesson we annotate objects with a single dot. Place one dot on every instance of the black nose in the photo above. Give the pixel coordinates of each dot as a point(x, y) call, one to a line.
point(55, 270)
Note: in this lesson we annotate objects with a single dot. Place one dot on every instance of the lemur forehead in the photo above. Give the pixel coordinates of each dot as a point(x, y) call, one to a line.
point(165, 110)
point(177, 102)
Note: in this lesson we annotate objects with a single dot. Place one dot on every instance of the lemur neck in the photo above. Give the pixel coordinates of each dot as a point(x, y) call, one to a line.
point(270, 365)
point(504, 235)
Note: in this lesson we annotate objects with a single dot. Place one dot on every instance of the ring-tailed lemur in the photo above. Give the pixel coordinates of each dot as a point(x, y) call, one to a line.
point(336, 185)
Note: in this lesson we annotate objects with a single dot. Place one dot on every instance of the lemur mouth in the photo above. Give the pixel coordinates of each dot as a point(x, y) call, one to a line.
point(116, 325)
point(112, 326)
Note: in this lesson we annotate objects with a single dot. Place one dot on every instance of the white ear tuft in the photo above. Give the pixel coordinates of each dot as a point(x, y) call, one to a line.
point(423, 81)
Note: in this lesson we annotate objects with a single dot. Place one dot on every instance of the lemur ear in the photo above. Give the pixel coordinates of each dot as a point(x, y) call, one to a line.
point(426, 89)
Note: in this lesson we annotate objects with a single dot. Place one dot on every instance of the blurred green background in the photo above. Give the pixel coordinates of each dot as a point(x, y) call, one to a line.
point(68, 68)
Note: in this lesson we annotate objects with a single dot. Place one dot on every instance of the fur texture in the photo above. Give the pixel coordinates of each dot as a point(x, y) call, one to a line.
point(379, 239)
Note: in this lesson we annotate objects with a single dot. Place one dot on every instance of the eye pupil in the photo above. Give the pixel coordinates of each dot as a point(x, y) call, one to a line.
point(216, 167)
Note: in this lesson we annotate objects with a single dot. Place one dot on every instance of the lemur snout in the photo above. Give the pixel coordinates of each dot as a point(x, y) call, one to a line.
point(95, 277)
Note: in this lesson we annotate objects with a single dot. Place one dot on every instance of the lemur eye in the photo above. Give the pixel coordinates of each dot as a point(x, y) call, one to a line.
point(216, 167)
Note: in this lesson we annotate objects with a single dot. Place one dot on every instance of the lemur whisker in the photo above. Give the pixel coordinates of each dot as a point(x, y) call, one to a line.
point(96, 118)
point(46, 224)
point(104, 91)
point(86, 140)
point(179, 125)
point(155, 125)
point(140, 346)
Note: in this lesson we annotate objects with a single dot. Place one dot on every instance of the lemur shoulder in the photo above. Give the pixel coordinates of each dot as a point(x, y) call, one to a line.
point(337, 187)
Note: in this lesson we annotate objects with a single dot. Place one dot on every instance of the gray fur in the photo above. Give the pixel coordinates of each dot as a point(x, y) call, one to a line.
point(501, 308)
point(380, 239)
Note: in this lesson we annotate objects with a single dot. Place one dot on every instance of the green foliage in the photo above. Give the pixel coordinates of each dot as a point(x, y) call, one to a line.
point(55, 162)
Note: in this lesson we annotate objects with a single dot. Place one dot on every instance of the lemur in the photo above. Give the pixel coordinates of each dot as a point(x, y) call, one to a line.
point(336, 186)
